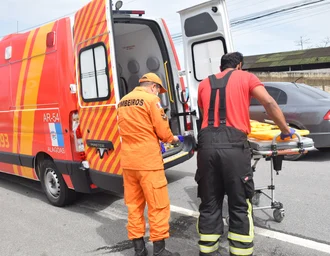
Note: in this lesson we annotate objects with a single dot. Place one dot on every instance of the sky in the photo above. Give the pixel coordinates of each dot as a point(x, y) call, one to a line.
point(279, 33)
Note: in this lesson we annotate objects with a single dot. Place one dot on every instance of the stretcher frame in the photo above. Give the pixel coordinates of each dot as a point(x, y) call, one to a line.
point(275, 156)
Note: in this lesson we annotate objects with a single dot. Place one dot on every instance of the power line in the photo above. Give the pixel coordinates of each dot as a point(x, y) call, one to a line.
point(283, 21)
point(260, 23)
point(282, 10)
point(239, 22)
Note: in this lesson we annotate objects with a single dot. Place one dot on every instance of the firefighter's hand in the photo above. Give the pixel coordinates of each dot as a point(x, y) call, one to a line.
point(286, 135)
point(177, 139)
point(181, 138)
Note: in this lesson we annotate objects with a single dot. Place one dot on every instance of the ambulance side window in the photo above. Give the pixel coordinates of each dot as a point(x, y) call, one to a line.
point(94, 78)
point(207, 55)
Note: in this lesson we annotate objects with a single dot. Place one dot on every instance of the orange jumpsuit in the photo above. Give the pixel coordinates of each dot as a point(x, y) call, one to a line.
point(142, 123)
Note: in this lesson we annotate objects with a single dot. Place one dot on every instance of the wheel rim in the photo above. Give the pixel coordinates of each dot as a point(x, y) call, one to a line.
point(52, 183)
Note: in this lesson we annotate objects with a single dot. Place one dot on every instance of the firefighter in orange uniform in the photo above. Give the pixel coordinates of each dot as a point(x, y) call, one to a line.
point(142, 124)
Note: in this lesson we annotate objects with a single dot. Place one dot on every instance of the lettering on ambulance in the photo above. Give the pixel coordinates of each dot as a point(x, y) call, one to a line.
point(51, 117)
point(91, 27)
point(4, 141)
point(55, 138)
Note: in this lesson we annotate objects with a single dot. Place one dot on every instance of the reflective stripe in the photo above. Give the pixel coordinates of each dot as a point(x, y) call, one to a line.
point(197, 226)
point(244, 238)
point(238, 251)
point(240, 238)
point(251, 225)
point(209, 238)
point(209, 249)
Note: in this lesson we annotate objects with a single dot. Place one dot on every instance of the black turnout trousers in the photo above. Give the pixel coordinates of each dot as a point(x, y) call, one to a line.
point(224, 167)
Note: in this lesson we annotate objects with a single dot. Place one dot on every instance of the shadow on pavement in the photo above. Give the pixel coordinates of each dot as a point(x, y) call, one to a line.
point(316, 156)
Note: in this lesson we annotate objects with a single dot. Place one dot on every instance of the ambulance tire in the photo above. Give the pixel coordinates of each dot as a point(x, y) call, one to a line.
point(53, 184)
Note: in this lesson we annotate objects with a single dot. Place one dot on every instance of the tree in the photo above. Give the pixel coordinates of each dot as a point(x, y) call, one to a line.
point(326, 41)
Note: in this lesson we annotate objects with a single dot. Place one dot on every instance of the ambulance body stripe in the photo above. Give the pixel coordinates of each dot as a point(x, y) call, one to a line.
point(82, 26)
point(95, 18)
point(19, 94)
point(30, 96)
point(94, 160)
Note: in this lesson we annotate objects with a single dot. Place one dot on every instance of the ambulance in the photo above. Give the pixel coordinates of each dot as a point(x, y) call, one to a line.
point(61, 84)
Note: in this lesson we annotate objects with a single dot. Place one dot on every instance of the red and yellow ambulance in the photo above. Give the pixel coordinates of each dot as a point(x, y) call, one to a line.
point(61, 83)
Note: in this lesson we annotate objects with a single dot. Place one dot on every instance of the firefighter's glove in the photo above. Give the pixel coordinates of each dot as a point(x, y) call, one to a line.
point(181, 138)
point(283, 136)
point(162, 147)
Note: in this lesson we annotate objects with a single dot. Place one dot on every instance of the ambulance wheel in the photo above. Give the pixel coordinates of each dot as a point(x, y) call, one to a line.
point(278, 215)
point(53, 184)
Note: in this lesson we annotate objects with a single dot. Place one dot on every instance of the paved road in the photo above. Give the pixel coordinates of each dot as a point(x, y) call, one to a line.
point(95, 225)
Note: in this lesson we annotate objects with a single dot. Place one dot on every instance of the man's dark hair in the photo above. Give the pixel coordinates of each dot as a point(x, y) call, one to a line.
point(231, 60)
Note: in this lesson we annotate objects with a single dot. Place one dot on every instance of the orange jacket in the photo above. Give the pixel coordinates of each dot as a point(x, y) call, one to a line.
point(142, 123)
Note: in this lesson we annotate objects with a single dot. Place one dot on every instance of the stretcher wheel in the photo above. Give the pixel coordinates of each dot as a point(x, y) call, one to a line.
point(278, 215)
point(256, 199)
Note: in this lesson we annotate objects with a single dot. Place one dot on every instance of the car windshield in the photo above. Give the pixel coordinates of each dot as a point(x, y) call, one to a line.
point(313, 92)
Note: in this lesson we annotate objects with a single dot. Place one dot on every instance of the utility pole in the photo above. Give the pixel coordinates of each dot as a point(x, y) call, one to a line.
point(302, 42)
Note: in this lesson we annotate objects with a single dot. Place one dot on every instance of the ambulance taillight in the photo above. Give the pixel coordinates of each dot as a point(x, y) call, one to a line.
point(50, 40)
point(77, 143)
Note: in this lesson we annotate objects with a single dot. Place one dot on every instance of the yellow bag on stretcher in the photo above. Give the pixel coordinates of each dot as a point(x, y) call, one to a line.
point(264, 131)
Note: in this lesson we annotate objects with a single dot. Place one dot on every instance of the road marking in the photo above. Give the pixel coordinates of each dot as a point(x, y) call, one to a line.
point(268, 233)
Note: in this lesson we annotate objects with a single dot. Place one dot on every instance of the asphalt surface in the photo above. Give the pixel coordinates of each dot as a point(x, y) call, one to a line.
point(95, 224)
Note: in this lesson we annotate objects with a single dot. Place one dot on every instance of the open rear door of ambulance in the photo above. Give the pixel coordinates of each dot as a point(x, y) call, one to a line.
point(206, 37)
point(96, 122)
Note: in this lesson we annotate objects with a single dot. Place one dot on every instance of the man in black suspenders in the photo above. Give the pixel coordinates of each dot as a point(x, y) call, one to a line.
point(224, 157)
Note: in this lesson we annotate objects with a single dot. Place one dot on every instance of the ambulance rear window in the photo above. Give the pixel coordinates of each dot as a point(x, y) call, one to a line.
point(94, 76)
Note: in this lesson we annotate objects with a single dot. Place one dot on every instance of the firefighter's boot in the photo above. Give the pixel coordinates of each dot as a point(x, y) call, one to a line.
point(159, 249)
point(139, 247)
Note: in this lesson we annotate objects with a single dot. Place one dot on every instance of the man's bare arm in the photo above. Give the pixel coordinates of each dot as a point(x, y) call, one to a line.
point(201, 111)
point(272, 109)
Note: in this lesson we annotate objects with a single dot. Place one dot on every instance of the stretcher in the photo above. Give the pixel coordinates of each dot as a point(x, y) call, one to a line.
point(274, 151)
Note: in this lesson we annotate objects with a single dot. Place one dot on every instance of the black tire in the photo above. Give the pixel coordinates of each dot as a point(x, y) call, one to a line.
point(53, 184)
point(278, 215)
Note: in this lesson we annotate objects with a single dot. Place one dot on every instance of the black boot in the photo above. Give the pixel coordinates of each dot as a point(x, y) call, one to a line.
point(139, 247)
point(159, 249)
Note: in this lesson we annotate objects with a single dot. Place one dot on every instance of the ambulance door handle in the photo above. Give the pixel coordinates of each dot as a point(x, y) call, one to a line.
point(168, 83)
point(181, 95)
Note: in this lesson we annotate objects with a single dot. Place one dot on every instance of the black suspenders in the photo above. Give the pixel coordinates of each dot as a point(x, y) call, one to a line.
point(218, 85)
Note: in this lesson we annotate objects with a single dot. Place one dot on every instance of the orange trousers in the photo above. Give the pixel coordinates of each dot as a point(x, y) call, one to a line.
point(141, 187)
